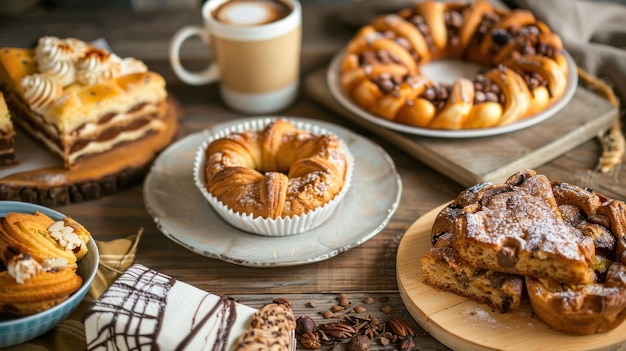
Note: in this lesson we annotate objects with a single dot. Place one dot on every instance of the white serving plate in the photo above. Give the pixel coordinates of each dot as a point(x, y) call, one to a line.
point(448, 71)
point(183, 215)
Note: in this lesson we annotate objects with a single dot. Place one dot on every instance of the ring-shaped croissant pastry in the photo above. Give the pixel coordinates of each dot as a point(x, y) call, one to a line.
point(277, 172)
point(520, 54)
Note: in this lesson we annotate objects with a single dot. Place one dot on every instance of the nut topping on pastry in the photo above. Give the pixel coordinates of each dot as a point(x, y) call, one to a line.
point(390, 50)
point(23, 267)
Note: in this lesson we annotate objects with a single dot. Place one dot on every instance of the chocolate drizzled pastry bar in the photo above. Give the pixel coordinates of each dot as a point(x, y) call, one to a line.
point(147, 310)
point(79, 100)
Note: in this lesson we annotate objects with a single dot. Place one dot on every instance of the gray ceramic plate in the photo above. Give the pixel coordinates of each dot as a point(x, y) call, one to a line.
point(183, 215)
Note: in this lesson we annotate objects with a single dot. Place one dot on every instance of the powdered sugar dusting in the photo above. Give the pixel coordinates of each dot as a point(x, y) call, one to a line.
point(527, 218)
point(478, 315)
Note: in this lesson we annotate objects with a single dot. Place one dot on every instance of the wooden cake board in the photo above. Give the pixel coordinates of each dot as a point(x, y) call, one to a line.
point(41, 178)
point(469, 161)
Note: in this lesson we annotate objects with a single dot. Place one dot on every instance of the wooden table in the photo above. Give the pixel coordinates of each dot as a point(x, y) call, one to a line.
point(367, 270)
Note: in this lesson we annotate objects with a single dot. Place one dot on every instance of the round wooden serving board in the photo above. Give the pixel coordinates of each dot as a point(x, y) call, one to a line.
point(462, 324)
point(41, 178)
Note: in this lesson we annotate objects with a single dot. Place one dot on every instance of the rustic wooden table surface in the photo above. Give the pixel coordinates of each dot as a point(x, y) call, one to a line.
point(366, 270)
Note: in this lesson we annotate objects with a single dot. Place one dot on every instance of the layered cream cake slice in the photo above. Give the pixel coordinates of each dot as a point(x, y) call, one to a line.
point(79, 100)
point(7, 135)
point(147, 310)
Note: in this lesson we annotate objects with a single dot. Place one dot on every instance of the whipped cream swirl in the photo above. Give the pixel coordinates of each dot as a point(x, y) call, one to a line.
point(63, 71)
point(58, 57)
point(131, 65)
point(40, 90)
point(97, 66)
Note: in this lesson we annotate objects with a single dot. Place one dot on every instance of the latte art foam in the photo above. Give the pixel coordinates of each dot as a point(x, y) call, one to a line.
point(250, 12)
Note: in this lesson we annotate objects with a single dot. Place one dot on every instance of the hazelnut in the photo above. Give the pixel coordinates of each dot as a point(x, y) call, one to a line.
point(304, 324)
point(368, 300)
point(336, 308)
point(344, 302)
point(406, 343)
point(359, 342)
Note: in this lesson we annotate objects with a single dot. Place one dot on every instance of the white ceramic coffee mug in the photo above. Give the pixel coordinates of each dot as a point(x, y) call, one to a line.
point(255, 52)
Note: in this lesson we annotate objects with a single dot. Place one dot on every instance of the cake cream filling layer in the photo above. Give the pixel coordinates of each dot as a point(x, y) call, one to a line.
point(146, 310)
point(103, 134)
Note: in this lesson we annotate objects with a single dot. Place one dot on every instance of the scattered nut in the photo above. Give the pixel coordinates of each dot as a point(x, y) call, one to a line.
point(406, 343)
point(400, 327)
point(374, 321)
point(313, 303)
point(386, 309)
point(338, 330)
point(328, 315)
point(384, 341)
point(304, 324)
point(336, 308)
point(344, 302)
point(368, 300)
point(359, 343)
point(311, 340)
point(360, 309)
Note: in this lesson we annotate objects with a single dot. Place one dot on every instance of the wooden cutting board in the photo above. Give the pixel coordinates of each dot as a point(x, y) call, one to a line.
point(472, 160)
point(462, 324)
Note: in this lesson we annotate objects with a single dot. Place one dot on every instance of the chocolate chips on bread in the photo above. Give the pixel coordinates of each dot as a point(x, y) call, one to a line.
point(564, 244)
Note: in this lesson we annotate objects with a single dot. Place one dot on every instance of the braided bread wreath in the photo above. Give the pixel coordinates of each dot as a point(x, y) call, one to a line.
point(274, 177)
point(527, 70)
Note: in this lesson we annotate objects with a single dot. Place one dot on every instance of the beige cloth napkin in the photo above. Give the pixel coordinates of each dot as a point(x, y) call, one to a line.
point(115, 257)
point(593, 32)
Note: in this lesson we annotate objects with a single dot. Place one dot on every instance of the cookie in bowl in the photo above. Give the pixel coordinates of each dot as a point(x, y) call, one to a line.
point(272, 176)
point(564, 242)
point(524, 69)
point(48, 264)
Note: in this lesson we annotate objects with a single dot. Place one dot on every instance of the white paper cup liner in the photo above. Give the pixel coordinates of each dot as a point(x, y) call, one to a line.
point(282, 226)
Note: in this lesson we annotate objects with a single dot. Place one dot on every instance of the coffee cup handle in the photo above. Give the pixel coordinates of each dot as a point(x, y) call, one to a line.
point(208, 75)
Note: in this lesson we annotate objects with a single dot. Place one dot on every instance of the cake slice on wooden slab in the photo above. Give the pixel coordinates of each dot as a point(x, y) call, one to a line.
point(7, 135)
point(79, 100)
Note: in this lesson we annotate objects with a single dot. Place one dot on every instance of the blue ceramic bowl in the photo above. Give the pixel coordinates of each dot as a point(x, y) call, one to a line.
point(18, 330)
